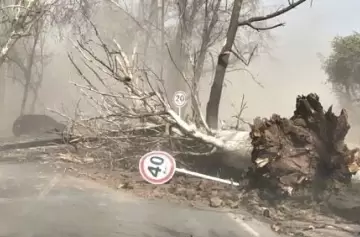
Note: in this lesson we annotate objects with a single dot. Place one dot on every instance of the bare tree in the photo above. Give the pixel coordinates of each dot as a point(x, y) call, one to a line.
point(144, 98)
point(25, 26)
point(212, 108)
point(17, 21)
point(132, 107)
point(29, 58)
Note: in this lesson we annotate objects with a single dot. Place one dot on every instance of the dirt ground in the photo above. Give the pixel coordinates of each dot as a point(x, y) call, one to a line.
point(295, 217)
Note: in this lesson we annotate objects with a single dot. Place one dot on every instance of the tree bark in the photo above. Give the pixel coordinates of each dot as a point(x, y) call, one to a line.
point(3, 78)
point(212, 107)
point(28, 73)
point(209, 25)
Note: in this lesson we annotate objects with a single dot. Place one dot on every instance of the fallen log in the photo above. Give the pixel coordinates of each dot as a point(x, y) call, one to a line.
point(307, 148)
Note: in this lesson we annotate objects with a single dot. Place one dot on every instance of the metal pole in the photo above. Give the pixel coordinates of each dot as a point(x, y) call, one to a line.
point(184, 171)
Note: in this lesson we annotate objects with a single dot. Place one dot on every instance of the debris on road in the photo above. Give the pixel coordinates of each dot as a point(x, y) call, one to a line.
point(304, 156)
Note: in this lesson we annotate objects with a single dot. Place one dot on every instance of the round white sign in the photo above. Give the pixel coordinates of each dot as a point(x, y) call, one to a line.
point(157, 167)
point(179, 98)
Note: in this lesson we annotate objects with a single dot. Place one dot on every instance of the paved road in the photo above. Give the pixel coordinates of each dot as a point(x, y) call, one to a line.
point(39, 201)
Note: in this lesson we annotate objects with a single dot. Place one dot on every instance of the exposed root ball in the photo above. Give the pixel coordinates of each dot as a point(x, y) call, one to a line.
point(307, 147)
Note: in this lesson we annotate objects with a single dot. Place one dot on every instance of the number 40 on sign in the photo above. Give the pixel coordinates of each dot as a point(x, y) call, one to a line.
point(158, 167)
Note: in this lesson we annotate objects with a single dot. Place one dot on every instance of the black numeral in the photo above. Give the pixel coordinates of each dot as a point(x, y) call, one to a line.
point(156, 160)
point(154, 171)
point(180, 98)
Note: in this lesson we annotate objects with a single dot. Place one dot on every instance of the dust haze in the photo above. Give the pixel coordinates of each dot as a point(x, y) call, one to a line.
point(291, 66)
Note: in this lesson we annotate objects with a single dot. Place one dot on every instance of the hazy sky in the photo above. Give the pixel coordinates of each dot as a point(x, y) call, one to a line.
point(293, 66)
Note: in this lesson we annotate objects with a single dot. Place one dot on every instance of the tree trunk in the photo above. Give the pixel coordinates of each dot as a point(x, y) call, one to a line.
point(3, 78)
point(162, 48)
point(28, 72)
point(154, 21)
point(209, 24)
point(37, 84)
point(212, 107)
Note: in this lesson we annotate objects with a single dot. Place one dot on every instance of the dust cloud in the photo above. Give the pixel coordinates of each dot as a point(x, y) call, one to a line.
point(291, 66)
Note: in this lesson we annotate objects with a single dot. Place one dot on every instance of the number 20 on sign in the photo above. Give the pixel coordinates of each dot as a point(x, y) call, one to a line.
point(157, 167)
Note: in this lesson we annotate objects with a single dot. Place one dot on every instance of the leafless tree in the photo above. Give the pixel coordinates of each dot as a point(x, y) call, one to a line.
point(27, 60)
point(24, 26)
point(17, 21)
point(212, 108)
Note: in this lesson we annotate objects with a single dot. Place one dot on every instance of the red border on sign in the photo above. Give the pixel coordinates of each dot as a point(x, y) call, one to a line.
point(157, 181)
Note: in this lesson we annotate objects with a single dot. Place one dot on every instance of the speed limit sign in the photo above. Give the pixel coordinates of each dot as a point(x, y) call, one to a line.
point(179, 98)
point(157, 167)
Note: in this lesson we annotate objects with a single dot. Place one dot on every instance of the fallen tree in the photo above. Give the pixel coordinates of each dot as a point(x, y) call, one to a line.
point(289, 153)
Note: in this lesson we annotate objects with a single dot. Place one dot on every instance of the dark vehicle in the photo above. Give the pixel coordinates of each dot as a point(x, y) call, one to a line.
point(31, 124)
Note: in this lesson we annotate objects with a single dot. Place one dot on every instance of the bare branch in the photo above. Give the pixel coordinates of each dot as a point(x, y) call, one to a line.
point(251, 20)
point(241, 58)
point(239, 114)
point(258, 28)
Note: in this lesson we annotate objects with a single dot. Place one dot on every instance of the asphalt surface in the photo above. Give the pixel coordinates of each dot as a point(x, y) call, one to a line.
point(37, 201)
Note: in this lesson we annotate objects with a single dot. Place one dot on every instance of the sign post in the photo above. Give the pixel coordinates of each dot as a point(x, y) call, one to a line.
point(158, 167)
point(180, 100)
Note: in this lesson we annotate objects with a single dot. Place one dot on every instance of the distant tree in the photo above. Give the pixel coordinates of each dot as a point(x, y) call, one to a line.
point(25, 27)
point(343, 67)
point(256, 23)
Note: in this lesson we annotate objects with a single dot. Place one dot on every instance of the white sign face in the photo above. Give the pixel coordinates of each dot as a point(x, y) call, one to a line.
point(157, 167)
point(179, 98)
